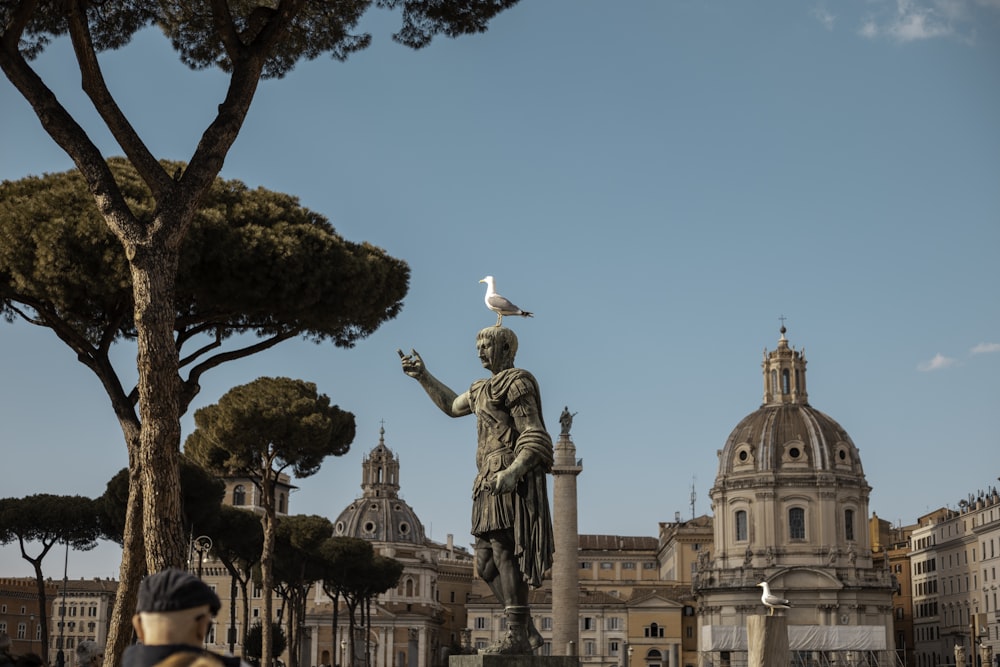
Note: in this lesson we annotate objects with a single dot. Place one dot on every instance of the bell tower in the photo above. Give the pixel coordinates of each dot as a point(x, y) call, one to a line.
point(380, 471)
point(784, 374)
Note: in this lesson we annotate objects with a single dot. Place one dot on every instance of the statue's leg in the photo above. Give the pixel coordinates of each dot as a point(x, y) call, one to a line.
point(512, 591)
point(512, 583)
point(516, 641)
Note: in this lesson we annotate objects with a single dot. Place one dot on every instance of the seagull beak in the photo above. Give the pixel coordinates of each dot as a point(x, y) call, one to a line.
point(482, 280)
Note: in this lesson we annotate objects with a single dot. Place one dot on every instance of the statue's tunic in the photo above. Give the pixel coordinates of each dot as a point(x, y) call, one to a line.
point(498, 401)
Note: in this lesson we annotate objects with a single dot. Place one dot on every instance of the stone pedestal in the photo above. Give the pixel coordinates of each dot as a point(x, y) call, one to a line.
point(513, 661)
point(767, 641)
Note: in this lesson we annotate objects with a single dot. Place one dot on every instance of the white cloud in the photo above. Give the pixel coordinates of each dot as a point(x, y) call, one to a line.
point(915, 20)
point(937, 363)
point(825, 17)
point(869, 29)
point(985, 348)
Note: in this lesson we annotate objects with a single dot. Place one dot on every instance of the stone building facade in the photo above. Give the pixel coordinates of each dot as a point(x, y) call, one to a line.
point(19, 617)
point(955, 561)
point(790, 504)
point(420, 622)
point(80, 611)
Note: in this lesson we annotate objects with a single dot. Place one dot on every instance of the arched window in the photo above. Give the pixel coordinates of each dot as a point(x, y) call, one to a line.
point(796, 523)
point(741, 526)
point(849, 525)
point(785, 382)
point(239, 495)
point(774, 381)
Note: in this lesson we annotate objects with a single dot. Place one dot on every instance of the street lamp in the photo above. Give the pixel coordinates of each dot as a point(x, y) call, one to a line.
point(202, 544)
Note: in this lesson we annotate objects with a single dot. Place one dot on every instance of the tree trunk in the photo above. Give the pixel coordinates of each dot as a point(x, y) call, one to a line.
point(154, 271)
point(245, 586)
point(337, 651)
point(133, 565)
point(42, 613)
point(266, 558)
point(231, 633)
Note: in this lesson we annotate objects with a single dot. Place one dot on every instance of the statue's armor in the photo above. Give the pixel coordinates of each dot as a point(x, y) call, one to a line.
point(496, 401)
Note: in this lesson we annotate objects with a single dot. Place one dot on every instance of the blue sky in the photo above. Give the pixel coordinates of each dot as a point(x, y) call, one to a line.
point(658, 181)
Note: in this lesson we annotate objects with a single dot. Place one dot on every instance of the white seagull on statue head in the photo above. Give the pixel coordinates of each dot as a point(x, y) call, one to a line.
point(772, 602)
point(499, 304)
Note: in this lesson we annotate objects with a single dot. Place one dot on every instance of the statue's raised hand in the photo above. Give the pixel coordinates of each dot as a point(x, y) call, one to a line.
point(412, 364)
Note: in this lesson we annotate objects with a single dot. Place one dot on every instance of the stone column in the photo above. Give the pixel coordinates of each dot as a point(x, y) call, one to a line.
point(565, 567)
point(767, 641)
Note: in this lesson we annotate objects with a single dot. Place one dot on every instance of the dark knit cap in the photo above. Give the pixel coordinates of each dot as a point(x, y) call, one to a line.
point(175, 590)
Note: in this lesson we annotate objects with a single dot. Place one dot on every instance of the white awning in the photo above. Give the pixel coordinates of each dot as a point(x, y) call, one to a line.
point(800, 638)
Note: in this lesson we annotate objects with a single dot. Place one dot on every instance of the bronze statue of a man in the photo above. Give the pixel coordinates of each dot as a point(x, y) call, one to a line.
point(510, 506)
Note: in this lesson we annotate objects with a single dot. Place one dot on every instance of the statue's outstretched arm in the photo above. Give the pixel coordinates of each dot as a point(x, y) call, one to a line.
point(450, 402)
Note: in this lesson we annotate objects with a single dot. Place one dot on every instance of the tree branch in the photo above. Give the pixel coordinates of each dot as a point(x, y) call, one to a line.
point(18, 22)
point(92, 82)
point(68, 134)
point(247, 64)
point(190, 387)
point(222, 19)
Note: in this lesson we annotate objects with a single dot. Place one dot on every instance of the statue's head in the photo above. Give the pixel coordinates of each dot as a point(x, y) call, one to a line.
point(497, 347)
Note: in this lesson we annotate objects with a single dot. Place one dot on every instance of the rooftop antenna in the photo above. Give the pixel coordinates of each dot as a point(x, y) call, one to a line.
point(694, 496)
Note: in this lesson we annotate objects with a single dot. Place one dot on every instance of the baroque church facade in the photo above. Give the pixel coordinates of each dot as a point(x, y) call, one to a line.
point(420, 622)
point(790, 508)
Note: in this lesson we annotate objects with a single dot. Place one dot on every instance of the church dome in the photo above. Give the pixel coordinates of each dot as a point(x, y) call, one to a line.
point(788, 438)
point(786, 434)
point(380, 515)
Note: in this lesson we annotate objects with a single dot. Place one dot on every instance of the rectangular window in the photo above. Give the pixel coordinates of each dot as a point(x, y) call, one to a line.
point(628, 566)
point(588, 623)
point(605, 565)
point(614, 623)
point(741, 526)
point(482, 623)
point(649, 566)
point(588, 647)
point(21, 628)
point(797, 523)
point(613, 648)
point(849, 525)
point(546, 623)
point(584, 565)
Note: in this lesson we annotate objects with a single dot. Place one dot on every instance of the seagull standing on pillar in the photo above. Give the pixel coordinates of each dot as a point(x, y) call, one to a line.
point(499, 304)
point(772, 602)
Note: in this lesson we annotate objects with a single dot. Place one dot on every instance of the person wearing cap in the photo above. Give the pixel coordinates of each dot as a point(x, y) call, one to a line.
point(173, 615)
